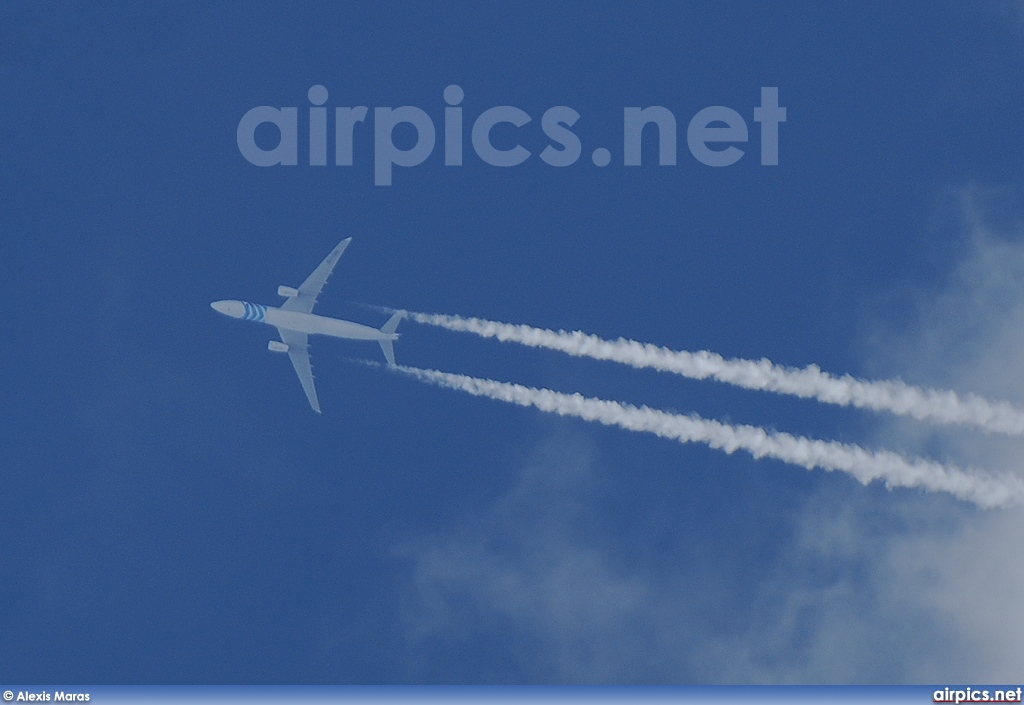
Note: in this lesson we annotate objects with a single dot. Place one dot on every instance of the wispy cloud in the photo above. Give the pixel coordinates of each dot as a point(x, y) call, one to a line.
point(916, 589)
point(970, 333)
point(545, 572)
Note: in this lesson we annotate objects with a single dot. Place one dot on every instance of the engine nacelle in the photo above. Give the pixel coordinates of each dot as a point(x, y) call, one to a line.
point(277, 346)
point(287, 291)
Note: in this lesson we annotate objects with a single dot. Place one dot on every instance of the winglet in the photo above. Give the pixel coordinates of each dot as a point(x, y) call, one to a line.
point(386, 343)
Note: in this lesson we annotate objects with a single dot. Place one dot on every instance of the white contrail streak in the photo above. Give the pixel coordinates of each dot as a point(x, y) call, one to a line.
point(984, 489)
point(895, 396)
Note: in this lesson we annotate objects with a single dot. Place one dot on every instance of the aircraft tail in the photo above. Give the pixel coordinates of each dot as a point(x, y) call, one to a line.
point(386, 345)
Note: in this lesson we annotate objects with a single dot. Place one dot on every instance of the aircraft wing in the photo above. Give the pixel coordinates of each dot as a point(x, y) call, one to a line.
point(314, 284)
point(298, 352)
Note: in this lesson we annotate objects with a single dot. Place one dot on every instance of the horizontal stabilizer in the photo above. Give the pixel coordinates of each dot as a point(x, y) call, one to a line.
point(389, 329)
point(389, 351)
point(392, 323)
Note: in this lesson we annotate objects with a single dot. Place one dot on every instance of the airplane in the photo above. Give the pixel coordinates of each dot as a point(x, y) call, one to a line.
point(295, 322)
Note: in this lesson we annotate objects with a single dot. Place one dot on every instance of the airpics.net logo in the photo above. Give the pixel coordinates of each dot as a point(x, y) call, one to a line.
point(712, 134)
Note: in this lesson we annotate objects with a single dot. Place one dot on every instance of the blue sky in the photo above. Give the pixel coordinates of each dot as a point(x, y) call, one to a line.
point(175, 513)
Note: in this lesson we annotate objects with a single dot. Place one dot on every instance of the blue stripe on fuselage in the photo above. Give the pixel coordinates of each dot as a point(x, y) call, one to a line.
point(255, 312)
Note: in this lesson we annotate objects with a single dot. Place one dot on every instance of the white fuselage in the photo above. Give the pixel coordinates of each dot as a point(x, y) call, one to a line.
point(308, 323)
point(313, 324)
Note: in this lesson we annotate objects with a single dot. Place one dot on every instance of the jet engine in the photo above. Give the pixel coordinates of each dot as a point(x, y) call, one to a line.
point(287, 291)
point(277, 346)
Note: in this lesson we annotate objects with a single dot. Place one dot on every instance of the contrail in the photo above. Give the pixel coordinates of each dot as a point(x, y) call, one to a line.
point(981, 488)
point(895, 396)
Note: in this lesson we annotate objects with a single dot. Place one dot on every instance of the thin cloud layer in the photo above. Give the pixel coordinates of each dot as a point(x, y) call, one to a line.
point(918, 588)
point(538, 571)
point(971, 335)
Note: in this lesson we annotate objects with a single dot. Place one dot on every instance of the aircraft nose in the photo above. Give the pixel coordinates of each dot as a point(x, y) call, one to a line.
point(228, 308)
